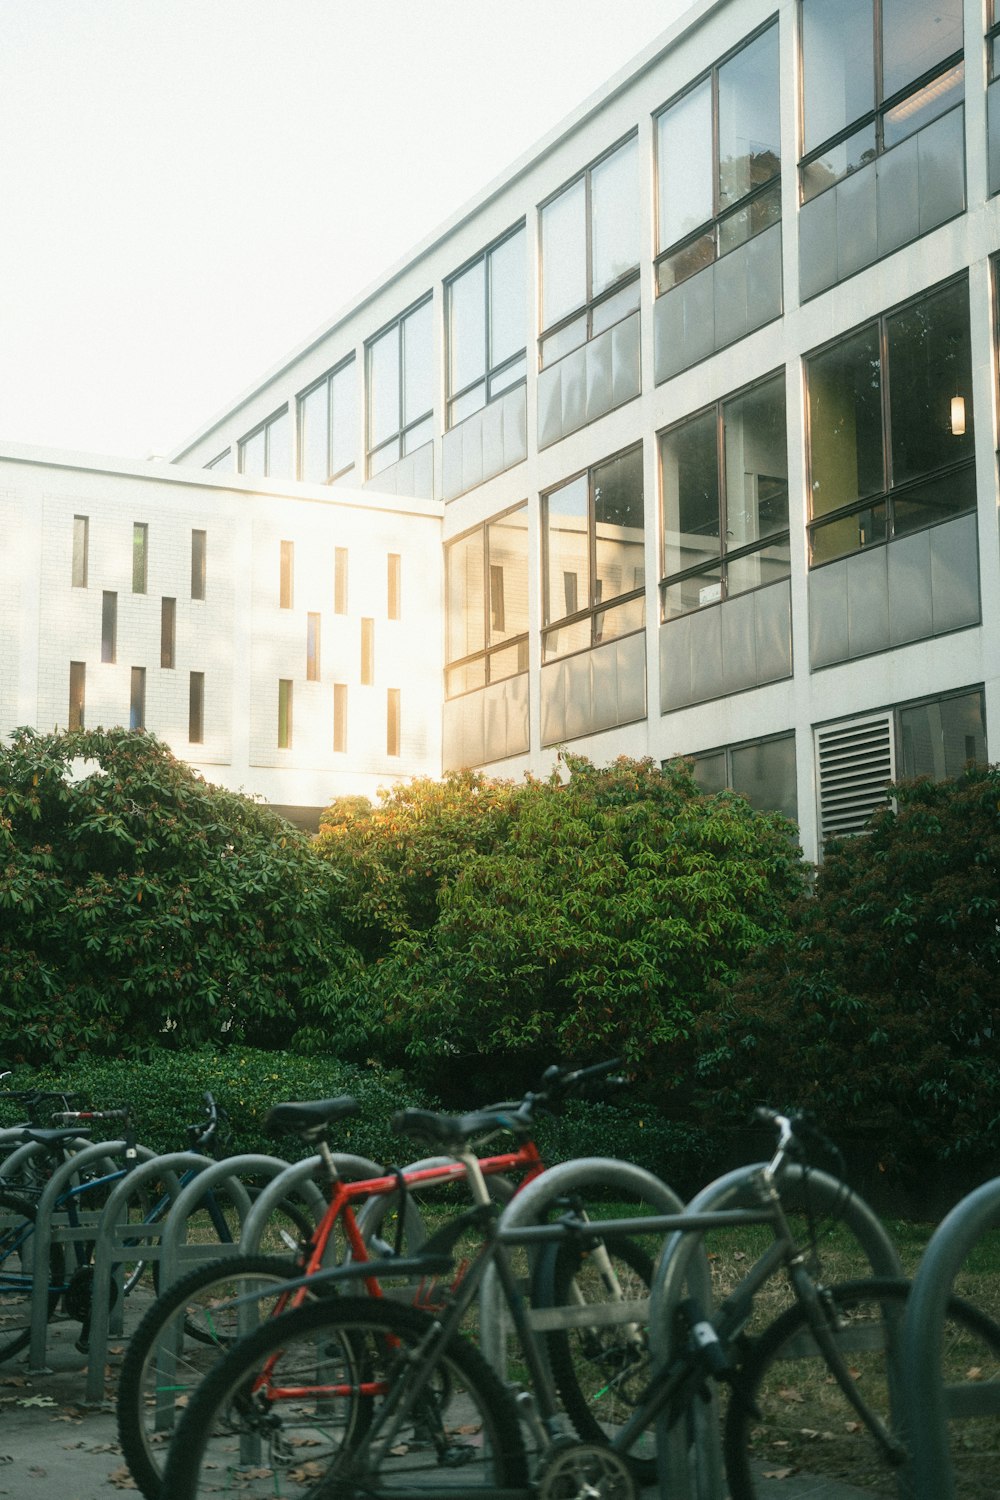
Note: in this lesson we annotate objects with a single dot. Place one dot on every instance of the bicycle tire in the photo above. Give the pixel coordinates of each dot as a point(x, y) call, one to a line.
point(16, 1275)
point(185, 1322)
point(464, 1429)
point(803, 1423)
point(600, 1372)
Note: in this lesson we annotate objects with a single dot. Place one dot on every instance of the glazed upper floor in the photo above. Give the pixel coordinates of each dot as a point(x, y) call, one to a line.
point(750, 162)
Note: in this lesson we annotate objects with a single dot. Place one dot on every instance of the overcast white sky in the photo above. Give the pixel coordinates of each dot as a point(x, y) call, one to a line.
point(188, 188)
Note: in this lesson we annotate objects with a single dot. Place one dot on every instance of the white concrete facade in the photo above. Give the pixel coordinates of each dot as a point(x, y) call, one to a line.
point(882, 631)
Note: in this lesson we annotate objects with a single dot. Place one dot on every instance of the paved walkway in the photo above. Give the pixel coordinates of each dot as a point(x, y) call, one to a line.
point(53, 1447)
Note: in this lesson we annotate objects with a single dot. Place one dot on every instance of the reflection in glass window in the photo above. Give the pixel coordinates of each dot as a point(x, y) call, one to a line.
point(196, 708)
point(328, 425)
point(763, 771)
point(593, 550)
point(284, 713)
point(400, 388)
point(81, 537)
point(891, 425)
point(140, 556)
point(873, 73)
point(77, 694)
point(486, 603)
point(719, 162)
point(137, 699)
point(940, 737)
point(724, 486)
point(487, 323)
point(267, 451)
point(590, 252)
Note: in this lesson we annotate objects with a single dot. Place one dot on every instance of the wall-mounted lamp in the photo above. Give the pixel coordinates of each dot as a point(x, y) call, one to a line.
point(957, 416)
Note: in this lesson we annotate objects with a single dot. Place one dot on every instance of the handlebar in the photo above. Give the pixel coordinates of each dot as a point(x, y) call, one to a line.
point(796, 1131)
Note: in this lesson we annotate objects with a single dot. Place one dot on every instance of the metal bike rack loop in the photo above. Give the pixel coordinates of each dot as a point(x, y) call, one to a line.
point(228, 1173)
point(299, 1178)
point(690, 1465)
point(47, 1231)
point(928, 1404)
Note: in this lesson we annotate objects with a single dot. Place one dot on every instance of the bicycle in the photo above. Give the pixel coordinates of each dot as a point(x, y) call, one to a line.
point(71, 1284)
point(165, 1362)
point(351, 1397)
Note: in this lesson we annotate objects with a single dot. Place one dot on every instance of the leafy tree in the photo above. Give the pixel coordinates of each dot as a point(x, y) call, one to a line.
point(139, 905)
point(551, 917)
point(880, 1007)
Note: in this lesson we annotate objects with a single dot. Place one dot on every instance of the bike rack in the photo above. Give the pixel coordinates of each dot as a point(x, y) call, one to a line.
point(114, 1233)
point(228, 1172)
point(691, 1466)
point(10, 1166)
point(299, 1177)
point(927, 1402)
point(47, 1231)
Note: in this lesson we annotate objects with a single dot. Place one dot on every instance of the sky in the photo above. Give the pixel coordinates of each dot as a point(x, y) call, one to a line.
point(189, 188)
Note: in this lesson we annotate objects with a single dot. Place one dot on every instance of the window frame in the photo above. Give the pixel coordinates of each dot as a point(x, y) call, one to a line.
point(266, 427)
point(76, 714)
point(591, 303)
point(727, 750)
point(80, 557)
point(404, 429)
point(490, 648)
point(109, 626)
point(196, 708)
point(285, 711)
point(393, 725)
point(720, 214)
point(286, 574)
point(137, 699)
point(168, 631)
point(140, 557)
point(329, 380)
point(726, 555)
point(594, 608)
point(883, 104)
point(199, 562)
point(313, 645)
point(891, 492)
point(493, 371)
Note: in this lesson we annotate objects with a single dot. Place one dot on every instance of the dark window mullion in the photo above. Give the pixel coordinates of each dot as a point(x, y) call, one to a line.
point(720, 470)
point(588, 213)
point(885, 376)
point(716, 172)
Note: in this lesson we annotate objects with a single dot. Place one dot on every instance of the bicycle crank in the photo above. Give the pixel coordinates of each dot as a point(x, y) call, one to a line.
point(571, 1470)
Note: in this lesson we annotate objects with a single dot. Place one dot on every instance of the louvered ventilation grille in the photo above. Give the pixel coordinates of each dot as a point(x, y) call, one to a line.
point(855, 766)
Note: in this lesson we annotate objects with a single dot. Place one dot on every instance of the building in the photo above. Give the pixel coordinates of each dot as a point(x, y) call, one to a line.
point(678, 440)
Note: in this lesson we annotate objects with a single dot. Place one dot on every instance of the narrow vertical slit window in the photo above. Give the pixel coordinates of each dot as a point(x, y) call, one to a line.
point(109, 627)
point(392, 721)
point(137, 699)
point(340, 581)
point(81, 540)
point(393, 582)
point(140, 541)
point(312, 647)
point(196, 708)
point(199, 548)
point(367, 652)
point(286, 580)
point(340, 717)
point(284, 713)
point(77, 693)
point(168, 631)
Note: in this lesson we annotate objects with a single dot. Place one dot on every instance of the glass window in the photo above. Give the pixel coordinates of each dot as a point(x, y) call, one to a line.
point(140, 543)
point(400, 366)
point(724, 487)
point(284, 713)
point(286, 575)
point(81, 537)
point(312, 647)
point(393, 585)
point(221, 460)
point(77, 693)
point(196, 708)
point(719, 162)
point(340, 581)
point(939, 738)
point(590, 252)
point(891, 425)
point(267, 451)
point(137, 699)
point(109, 627)
point(487, 323)
point(392, 721)
point(593, 547)
point(486, 603)
point(328, 426)
point(340, 717)
point(367, 652)
point(763, 771)
point(873, 73)
point(199, 546)
point(168, 631)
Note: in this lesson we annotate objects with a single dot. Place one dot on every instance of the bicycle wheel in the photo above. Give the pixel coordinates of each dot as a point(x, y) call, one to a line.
point(803, 1423)
point(600, 1371)
point(180, 1338)
point(17, 1272)
point(322, 1420)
